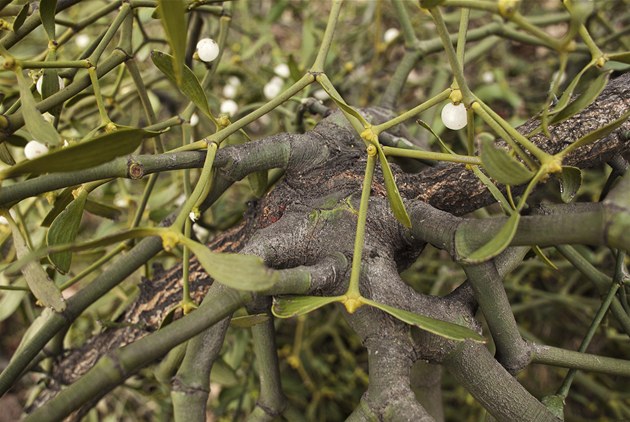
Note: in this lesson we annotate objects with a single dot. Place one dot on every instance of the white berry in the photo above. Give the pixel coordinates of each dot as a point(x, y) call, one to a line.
point(234, 81)
point(273, 87)
point(454, 116)
point(207, 49)
point(282, 70)
point(40, 82)
point(229, 91)
point(229, 107)
point(34, 149)
point(390, 35)
point(82, 40)
point(194, 119)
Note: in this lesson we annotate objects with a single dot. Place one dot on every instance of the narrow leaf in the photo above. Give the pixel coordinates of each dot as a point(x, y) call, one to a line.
point(501, 166)
point(620, 57)
point(190, 86)
point(64, 230)
point(258, 182)
point(21, 17)
point(39, 128)
point(570, 183)
point(42, 287)
point(594, 88)
point(47, 13)
point(445, 148)
point(248, 321)
point(544, 258)
point(223, 374)
point(93, 152)
point(565, 98)
point(173, 17)
point(435, 326)
point(102, 210)
point(598, 133)
point(395, 201)
point(61, 202)
point(290, 306)
point(332, 92)
point(9, 300)
point(239, 271)
point(465, 241)
point(496, 193)
point(5, 154)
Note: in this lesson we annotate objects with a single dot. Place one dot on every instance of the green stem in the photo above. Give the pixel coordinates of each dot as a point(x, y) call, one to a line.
point(405, 23)
point(224, 133)
point(355, 274)
point(201, 188)
point(271, 400)
point(112, 369)
point(461, 35)
point(548, 355)
point(563, 391)
point(429, 155)
point(124, 10)
point(601, 282)
point(57, 64)
point(105, 120)
point(333, 18)
point(93, 267)
point(456, 65)
point(413, 112)
point(486, 114)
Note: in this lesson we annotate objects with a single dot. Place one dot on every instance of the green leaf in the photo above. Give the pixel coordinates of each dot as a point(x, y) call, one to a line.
point(501, 166)
point(90, 153)
point(9, 299)
point(21, 17)
point(593, 89)
point(47, 13)
point(568, 92)
point(467, 240)
point(173, 17)
point(248, 321)
point(435, 326)
point(42, 287)
point(620, 57)
point(496, 193)
point(61, 202)
point(395, 201)
point(570, 183)
point(190, 86)
point(443, 145)
point(544, 258)
point(258, 182)
point(223, 374)
point(332, 92)
point(102, 210)
point(239, 271)
point(39, 128)
point(64, 231)
point(598, 133)
point(290, 306)
point(5, 154)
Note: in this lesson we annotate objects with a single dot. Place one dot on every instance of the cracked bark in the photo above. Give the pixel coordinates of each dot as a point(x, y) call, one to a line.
point(310, 216)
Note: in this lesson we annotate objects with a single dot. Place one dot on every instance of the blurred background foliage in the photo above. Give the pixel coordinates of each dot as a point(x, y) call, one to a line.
point(324, 366)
